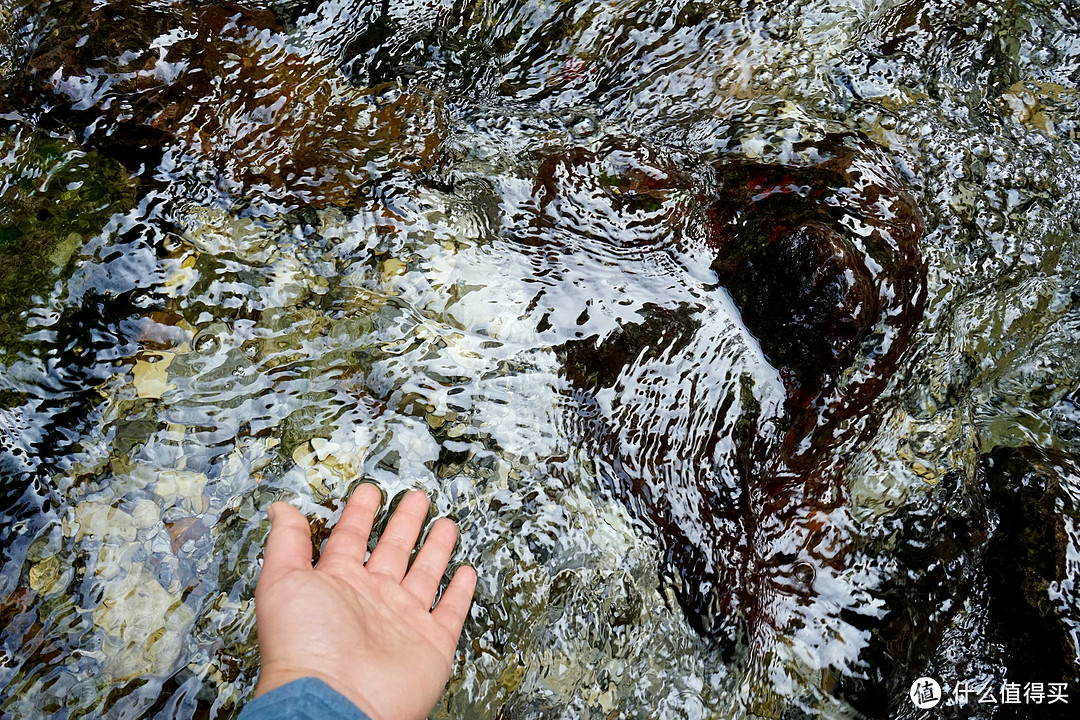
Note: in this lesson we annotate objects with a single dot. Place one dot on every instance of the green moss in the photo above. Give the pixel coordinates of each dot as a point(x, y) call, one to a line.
point(53, 197)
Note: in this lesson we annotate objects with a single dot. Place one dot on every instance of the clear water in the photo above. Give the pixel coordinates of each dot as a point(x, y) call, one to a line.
point(337, 267)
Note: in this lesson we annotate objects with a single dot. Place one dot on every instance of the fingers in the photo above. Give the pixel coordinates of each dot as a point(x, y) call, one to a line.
point(347, 545)
point(454, 604)
point(391, 555)
point(288, 547)
point(427, 569)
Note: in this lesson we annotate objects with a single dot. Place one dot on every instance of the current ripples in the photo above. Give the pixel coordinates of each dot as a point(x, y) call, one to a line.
point(466, 247)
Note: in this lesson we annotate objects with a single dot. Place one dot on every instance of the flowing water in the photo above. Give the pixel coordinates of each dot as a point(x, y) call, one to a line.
point(268, 250)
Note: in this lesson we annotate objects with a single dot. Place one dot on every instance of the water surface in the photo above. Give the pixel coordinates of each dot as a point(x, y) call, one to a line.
point(269, 250)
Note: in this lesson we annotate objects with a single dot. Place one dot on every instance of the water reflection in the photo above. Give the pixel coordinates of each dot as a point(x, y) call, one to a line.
point(466, 247)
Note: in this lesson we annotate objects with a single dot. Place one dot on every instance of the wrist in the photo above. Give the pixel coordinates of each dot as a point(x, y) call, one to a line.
point(273, 677)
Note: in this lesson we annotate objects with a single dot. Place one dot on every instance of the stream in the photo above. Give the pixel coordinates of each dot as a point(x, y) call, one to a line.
point(741, 338)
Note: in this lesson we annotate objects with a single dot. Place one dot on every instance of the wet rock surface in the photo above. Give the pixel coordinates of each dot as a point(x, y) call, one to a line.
point(818, 257)
point(139, 79)
point(54, 197)
point(981, 596)
point(822, 263)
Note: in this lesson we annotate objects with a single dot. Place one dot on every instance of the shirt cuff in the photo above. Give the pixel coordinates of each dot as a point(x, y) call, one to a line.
point(304, 699)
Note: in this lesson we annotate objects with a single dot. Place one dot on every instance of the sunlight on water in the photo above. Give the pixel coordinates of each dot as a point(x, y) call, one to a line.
point(560, 264)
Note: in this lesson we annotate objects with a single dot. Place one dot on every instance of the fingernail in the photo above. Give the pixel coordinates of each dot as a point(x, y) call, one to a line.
point(270, 513)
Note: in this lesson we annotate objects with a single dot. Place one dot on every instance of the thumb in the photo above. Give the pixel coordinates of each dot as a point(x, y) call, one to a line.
point(288, 546)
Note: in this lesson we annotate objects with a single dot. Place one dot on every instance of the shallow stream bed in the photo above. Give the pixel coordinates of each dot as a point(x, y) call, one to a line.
point(267, 250)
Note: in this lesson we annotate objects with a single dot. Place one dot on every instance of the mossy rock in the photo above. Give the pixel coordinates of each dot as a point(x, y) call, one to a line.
point(53, 197)
point(6, 66)
point(275, 124)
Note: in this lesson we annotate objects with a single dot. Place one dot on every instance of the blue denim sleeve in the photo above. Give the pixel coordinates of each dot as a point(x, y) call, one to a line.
point(305, 699)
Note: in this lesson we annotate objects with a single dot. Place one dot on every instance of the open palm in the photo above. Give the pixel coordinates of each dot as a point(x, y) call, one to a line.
point(367, 629)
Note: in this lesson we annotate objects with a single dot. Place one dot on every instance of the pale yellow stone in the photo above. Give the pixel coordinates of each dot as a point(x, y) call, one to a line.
point(45, 575)
point(317, 478)
point(114, 559)
point(234, 463)
point(62, 252)
point(391, 268)
point(144, 626)
point(145, 513)
point(606, 701)
point(151, 379)
point(100, 521)
point(303, 455)
point(323, 448)
point(261, 463)
point(182, 486)
point(182, 278)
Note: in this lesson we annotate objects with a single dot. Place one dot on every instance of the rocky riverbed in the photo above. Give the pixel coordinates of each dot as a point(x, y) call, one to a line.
point(740, 338)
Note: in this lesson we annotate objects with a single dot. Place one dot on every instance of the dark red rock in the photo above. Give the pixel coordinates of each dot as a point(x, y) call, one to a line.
point(819, 258)
point(822, 261)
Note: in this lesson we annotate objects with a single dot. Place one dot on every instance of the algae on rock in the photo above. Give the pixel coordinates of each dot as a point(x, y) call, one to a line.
point(53, 198)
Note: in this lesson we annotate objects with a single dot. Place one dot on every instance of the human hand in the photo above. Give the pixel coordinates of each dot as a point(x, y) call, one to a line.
point(367, 630)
